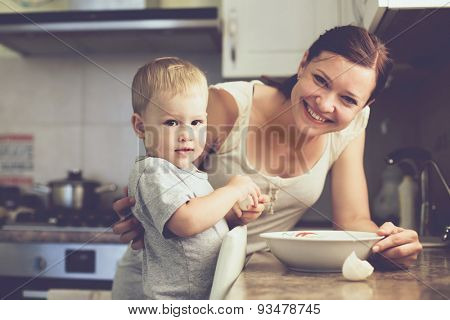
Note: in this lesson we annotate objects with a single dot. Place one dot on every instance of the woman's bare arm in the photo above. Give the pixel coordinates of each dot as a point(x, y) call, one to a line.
point(222, 113)
point(349, 190)
point(400, 247)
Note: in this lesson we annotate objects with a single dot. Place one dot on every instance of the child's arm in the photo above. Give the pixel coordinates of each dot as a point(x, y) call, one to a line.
point(204, 212)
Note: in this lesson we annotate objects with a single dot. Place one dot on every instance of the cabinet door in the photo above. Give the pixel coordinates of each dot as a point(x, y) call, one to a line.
point(352, 12)
point(268, 37)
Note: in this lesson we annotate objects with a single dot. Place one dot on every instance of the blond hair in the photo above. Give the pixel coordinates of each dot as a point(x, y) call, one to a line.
point(167, 76)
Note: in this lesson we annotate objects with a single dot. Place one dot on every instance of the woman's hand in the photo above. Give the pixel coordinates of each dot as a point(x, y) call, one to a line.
point(399, 249)
point(128, 227)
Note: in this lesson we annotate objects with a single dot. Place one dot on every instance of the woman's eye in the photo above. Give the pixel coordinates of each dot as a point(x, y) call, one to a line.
point(196, 122)
point(349, 100)
point(170, 123)
point(320, 80)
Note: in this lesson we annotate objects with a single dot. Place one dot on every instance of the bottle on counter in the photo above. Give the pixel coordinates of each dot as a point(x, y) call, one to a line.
point(407, 195)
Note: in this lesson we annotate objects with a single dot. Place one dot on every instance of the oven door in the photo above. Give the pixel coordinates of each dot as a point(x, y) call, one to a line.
point(29, 270)
point(20, 288)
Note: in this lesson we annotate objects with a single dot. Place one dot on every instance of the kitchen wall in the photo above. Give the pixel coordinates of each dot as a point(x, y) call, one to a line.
point(79, 116)
point(78, 110)
point(434, 127)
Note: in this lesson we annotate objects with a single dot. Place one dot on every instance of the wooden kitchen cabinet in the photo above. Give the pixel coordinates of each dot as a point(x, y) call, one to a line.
point(352, 12)
point(270, 37)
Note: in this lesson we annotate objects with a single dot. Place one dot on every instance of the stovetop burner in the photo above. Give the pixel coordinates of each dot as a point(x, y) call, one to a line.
point(63, 219)
point(50, 228)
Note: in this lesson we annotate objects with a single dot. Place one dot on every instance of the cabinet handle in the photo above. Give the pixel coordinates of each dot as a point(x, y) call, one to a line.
point(40, 263)
point(232, 31)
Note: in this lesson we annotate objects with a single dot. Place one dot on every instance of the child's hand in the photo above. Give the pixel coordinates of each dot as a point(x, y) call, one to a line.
point(237, 216)
point(246, 187)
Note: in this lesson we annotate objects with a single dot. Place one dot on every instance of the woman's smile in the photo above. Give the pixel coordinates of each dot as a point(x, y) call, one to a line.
point(313, 116)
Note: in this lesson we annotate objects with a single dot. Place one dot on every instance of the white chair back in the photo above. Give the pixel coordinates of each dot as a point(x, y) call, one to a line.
point(230, 262)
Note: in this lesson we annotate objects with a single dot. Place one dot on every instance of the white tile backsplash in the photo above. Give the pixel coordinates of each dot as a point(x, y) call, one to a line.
point(107, 97)
point(108, 79)
point(40, 91)
point(109, 152)
point(56, 149)
point(79, 113)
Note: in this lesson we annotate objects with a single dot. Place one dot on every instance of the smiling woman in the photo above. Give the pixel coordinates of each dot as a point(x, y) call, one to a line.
point(287, 139)
point(330, 91)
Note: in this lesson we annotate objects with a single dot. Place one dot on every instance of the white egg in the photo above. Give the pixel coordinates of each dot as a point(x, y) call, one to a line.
point(355, 269)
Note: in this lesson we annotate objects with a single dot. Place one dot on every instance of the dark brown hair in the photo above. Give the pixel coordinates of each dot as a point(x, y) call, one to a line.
point(354, 44)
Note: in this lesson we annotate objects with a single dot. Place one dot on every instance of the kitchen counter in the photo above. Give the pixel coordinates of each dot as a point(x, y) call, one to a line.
point(59, 235)
point(264, 277)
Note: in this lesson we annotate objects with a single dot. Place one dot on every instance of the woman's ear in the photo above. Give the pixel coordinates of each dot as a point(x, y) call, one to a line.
point(138, 125)
point(302, 65)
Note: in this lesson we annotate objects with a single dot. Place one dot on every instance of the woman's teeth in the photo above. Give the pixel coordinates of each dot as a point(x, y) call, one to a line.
point(313, 114)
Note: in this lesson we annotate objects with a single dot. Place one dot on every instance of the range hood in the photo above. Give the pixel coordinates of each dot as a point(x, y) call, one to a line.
point(112, 31)
point(416, 31)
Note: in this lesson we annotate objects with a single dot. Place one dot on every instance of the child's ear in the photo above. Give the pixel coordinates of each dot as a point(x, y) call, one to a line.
point(138, 125)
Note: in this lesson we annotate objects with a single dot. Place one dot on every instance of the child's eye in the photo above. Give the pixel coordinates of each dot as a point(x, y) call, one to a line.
point(349, 100)
point(197, 122)
point(320, 80)
point(170, 123)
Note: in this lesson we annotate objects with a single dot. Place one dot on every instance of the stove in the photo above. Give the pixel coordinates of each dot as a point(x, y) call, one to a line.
point(57, 249)
point(62, 217)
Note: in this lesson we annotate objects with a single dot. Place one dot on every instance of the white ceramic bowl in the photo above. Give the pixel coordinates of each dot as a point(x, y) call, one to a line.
point(319, 250)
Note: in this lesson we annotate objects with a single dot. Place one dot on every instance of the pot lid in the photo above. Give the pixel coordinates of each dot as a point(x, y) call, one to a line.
point(74, 176)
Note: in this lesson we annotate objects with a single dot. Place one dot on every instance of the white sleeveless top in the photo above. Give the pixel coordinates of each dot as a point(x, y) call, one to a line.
point(290, 197)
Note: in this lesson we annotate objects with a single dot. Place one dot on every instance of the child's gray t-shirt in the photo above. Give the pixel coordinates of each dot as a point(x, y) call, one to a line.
point(173, 267)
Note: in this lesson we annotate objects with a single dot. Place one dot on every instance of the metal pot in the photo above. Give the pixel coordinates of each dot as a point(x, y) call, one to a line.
point(74, 192)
